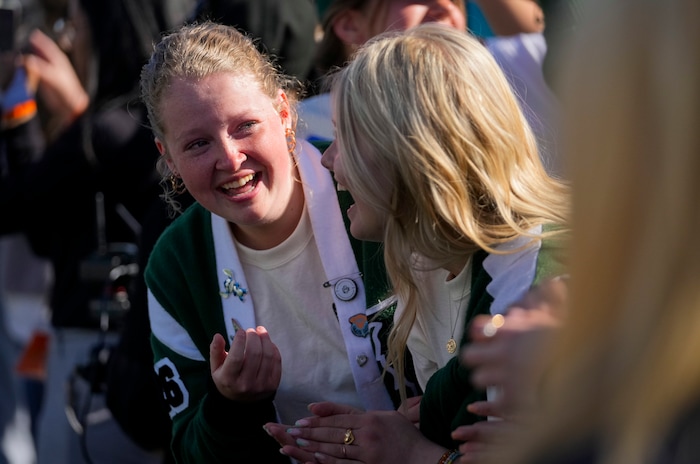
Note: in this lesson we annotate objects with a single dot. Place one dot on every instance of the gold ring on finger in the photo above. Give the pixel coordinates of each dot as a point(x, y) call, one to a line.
point(349, 437)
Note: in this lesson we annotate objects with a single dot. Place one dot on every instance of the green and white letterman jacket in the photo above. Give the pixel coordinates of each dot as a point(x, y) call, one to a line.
point(191, 299)
point(498, 280)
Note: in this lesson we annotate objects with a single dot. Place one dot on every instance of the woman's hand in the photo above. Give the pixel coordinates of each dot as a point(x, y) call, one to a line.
point(505, 359)
point(508, 357)
point(281, 432)
point(342, 434)
point(252, 368)
point(483, 441)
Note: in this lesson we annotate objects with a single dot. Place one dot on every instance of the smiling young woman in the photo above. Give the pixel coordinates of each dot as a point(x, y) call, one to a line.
point(257, 295)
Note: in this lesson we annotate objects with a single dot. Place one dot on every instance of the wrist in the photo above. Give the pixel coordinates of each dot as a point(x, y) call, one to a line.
point(78, 106)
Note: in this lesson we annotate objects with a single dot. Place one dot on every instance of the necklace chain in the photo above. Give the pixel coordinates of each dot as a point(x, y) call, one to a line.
point(451, 345)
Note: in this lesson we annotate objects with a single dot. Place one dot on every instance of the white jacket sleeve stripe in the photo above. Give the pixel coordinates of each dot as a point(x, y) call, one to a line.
point(169, 332)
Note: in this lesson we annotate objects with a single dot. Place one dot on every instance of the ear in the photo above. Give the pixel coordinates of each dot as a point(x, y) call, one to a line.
point(160, 146)
point(161, 149)
point(351, 28)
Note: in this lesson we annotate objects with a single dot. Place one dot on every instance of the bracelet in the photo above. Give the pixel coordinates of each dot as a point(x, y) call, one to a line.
point(449, 457)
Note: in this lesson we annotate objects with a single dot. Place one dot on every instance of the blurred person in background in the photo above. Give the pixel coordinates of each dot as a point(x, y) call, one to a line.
point(514, 38)
point(283, 29)
point(80, 203)
point(619, 382)
point(24, 277)
point(520, 43)
point(346, 25)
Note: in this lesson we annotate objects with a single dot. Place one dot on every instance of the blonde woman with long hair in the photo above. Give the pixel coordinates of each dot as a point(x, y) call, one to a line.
point(444, 171)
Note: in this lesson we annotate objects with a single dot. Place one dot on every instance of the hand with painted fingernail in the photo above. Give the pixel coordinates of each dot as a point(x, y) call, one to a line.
point(342, 434)
point(251, 370)
point(286, 436)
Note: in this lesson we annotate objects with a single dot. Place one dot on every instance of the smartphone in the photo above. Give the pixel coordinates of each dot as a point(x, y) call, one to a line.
point(9, 21)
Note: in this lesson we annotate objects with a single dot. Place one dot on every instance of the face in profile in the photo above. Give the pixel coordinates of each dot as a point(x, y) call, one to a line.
point(366, 221)
point(226, 139)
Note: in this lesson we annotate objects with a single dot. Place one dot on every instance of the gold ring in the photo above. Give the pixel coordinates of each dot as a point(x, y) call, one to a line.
point(349, 437)
point(493, 325)
point(345, 453)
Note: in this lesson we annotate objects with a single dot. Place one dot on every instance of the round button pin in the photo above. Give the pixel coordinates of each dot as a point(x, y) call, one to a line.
point(345, 289)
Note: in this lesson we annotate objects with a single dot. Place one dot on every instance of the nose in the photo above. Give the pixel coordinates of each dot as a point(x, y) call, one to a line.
point(231, 156)
point(329, 156)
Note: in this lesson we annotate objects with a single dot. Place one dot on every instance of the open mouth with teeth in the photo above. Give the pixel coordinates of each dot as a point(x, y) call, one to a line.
point(240, 186)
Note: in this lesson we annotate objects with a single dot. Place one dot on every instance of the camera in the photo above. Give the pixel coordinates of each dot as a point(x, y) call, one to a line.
point(110, 273)
point(10, 18)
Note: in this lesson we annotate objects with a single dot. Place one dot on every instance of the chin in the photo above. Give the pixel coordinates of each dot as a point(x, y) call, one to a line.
point(366, 235)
